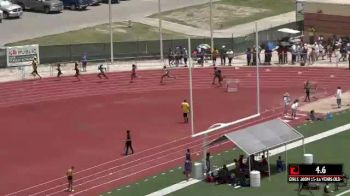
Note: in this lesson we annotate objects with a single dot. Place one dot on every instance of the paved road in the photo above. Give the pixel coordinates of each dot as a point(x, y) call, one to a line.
point(39, 24)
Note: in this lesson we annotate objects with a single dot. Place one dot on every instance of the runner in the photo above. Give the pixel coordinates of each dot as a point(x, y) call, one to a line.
point(307, 87)
point(77, 72)
point(185, 109)
point(59, 71)
point(70, 179)
point(35, 68)
point(218, 75)
point(166, 74)
point(133, 73)
point(128, 143)
point(102, 71)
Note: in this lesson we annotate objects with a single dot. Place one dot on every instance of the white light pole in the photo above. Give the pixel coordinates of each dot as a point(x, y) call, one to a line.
point(257, 69)
point(190, 83)
point(160, 32)
point(211, 26)
point(111, 29)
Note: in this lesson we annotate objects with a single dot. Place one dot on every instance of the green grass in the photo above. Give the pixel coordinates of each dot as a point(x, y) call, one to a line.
point(324, 151)
point(100, 34)
point(273, 7)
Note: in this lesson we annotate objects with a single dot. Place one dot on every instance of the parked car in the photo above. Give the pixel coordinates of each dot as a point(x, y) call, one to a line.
point(76, 4)
point(46, 6)
point(1, 16)
point(10, 10)
point(95, 2)
point(112, 1)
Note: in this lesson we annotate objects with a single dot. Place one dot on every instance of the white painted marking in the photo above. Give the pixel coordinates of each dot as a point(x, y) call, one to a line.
point(219, 154)
point(343, 193)
point(137, 183)
point(154, 177)
point(226, 151)
point(179, 168)
point(109, 192)
point(163, 173)
point(146, 180)
point(171, 171)
point(118, 189)
point(128, 186)
point(174, 187)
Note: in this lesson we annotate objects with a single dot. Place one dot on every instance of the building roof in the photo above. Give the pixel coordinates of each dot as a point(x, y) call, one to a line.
point(261, 137)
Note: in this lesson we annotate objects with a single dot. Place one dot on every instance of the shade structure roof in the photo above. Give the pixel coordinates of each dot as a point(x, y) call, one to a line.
point(261, 137)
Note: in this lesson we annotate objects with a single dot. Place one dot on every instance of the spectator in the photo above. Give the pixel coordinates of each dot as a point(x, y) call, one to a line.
point(280, 165)
point(84, 62)
point(307, 88)
point(312, 35)
point(185, 55)
point(286, 102)
point(215, 56)
point(249, 56)
point(223, 55)
point(188, 155)
point(224, 175)
point(313, 117)
point(188, 169)
point(207, 163)
point(230, 55)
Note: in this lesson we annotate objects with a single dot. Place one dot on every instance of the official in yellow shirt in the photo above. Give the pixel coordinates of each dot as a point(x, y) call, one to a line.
point(185, 109)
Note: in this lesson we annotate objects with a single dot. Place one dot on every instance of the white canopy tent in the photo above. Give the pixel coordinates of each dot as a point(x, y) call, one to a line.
point(262, 137)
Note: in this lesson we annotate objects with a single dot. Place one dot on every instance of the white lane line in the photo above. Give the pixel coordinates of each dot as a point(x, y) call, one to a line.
point(343, 193)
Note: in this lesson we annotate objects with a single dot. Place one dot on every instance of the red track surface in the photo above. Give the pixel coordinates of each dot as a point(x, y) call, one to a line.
point(49, 125)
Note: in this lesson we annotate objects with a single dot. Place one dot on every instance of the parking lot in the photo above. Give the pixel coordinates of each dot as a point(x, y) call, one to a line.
point(36, 24)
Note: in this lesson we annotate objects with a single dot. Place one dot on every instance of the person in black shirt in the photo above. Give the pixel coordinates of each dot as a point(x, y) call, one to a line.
point(59, 71)
point(128, 143)
point(76, 69)
point(102, 71)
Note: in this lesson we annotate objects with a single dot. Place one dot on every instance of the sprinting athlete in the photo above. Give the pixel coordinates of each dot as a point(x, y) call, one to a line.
point(77, 72)
point(133, 73)
point(102, 71)
point(69, 175)
point(59, 71)
point(166, 74)
point(218, 75)
point(35, 68)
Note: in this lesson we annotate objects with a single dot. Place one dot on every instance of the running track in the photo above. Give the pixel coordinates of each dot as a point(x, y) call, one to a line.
point(23, 104)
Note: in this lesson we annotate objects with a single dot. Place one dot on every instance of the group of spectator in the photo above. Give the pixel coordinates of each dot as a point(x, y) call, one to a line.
point(177, 56)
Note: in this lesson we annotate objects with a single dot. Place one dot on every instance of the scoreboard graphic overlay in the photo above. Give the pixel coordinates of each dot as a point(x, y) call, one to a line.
point(315, 173)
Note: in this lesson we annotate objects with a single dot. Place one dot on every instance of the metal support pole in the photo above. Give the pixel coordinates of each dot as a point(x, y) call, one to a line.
point(160, 32)
point(286, 162)
point(268, 163)
point(111, 30)
point(205, 149)
point(190, 83)
point(304, 146)
point(211, 27)
point(257, 69)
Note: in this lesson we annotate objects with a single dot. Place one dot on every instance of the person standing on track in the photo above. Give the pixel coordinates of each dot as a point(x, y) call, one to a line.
point(102, 71)
point(69, 175)
point(166, 74)
point(35, 68)
point(186, 110)
point(76, 69)
point(128, 143)
point(133, 73)
point(338, 96)
point(59, 71)
point(294, 108)
point(307, 87)
point(286, 102)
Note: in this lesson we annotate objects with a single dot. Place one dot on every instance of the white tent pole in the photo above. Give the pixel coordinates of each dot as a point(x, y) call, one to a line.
point(257, 69)
point(190, 83)
point(211, 26)
point(268, 163)
point(286, 162)
point(250, 167)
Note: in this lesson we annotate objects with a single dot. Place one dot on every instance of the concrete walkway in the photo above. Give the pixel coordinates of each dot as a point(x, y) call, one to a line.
point(236, 31)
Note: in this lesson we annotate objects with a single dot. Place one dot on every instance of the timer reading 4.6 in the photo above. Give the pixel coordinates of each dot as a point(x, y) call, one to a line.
point(321, 171)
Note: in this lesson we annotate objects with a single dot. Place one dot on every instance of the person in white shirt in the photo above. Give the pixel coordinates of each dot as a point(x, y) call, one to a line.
point(338, 96)
point(294, 108)
point(286, 102)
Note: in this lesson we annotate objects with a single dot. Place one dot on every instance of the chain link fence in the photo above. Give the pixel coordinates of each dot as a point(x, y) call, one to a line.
point(144, 49)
